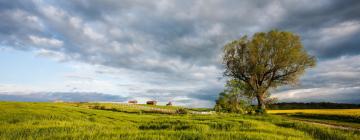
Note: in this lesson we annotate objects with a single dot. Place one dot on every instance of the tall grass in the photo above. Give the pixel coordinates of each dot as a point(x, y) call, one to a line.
point(80, 121)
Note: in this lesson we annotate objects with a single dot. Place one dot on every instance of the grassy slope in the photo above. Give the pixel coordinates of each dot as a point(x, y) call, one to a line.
point(341, 117)
point(79, 121)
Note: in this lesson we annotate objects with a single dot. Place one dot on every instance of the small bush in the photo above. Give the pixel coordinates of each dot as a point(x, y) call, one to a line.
point(233, 100)
point(98, 107)
point(181, 111)
point(14, 121)
point(155, 126)
point(92, 119)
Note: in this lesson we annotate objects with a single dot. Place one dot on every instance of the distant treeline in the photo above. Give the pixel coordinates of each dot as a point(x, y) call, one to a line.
point(313, 105)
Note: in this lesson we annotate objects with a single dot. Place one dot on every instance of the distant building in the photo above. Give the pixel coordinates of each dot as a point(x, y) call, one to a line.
point(169, 104)
point(151, 102)
point(133, 102)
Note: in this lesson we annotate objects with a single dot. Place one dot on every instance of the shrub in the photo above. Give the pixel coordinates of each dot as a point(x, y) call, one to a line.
point(234, 99)
point(181, 111)
point(100, 107)
point(233, 103)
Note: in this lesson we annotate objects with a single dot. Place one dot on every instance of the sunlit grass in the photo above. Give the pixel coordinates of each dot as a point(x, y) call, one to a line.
point(338, 117)
point(80, 121)
point(345, 112)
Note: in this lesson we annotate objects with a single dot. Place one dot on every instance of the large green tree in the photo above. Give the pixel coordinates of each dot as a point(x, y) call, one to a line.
point(266, 60)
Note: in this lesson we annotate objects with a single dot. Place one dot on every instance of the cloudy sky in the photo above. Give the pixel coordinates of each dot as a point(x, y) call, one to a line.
point(168, 50)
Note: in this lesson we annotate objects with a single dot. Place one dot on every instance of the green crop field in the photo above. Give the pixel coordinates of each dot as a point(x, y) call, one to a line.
point(341, 117)
point(343, 112)
point(20, 120)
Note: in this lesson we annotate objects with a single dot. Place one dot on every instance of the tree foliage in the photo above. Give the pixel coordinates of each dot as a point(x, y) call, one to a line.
point(267, 60)
point(234, 99)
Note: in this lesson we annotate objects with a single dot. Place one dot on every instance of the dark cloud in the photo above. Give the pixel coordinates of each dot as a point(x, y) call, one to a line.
point(178, 43)
point(210, 94)
point(324, 26)
point(348, 46)
point(303, 16)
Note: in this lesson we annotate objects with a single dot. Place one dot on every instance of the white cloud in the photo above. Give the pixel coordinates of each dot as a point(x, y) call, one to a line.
point(48, 42)
point(88, 31)
point(15, 88)
point(76, 22)
point(173, 47)
point(342, 29)
point(324, 94)
point(339, 31)
point(58, 56)
point(53, 12)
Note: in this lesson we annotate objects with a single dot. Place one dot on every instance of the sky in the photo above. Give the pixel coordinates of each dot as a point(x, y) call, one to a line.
point(167, 50)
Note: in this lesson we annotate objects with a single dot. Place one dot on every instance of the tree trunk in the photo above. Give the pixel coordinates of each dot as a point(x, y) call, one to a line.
point(261, 105)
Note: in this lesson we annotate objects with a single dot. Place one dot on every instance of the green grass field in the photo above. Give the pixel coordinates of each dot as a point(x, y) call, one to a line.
point(341, 117)
point(20, 120)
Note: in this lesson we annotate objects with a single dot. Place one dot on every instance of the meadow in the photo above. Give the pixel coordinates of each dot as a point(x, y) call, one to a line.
point(19, 120)
point(340, 117)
